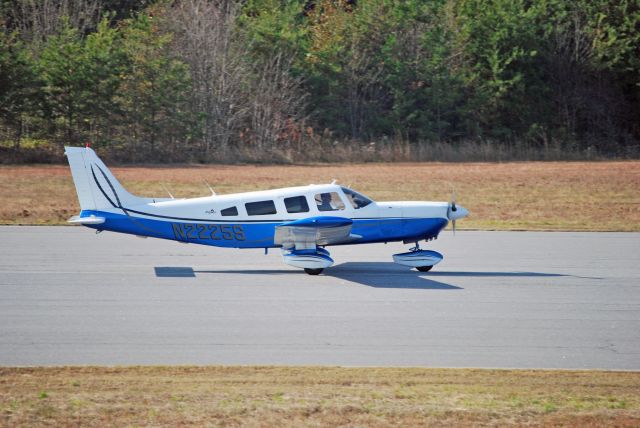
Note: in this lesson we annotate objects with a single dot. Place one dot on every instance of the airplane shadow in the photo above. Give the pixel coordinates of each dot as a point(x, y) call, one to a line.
point(507, 274)
point(370, 274)
point(174, 272)
point(377, 275)
point(386, 275)
point(253, 271)
point(188, 272)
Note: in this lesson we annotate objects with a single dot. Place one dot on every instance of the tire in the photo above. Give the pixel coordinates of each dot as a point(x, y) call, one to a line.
point(424, 268)
point(310, 271)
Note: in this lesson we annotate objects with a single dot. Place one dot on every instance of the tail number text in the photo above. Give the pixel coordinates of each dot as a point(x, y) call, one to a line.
point(211, 232)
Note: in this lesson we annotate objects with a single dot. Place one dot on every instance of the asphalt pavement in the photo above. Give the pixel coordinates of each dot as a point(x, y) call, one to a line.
point(499, 299)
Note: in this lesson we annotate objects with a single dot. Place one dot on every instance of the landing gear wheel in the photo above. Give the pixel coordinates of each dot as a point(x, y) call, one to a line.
point(311, 271)
point(424, 268)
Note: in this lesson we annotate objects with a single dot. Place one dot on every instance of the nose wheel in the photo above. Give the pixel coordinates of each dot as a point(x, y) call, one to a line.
point(311, 271)
point(422, 260)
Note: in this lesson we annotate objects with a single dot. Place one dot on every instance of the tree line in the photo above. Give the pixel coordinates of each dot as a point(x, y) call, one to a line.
point(296, 80)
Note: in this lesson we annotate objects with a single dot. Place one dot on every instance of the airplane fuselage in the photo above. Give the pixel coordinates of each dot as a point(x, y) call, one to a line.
point(249, 220)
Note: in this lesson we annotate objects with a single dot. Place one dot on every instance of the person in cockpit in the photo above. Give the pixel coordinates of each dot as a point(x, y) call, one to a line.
point(325, 204)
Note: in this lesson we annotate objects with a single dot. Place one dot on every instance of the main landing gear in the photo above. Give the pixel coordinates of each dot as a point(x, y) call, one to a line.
point(312, 260)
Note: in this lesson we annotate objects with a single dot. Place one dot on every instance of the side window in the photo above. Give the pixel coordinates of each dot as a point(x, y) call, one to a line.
point(329, 202)
point(296, 204)
point(260, 208)
point(229, 211)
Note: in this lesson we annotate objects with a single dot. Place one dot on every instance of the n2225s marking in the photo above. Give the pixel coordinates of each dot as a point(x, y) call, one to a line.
point(204, 232)
point(301, 221)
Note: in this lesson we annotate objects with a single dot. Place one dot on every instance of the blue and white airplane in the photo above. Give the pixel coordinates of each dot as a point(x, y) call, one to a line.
point(301, 221)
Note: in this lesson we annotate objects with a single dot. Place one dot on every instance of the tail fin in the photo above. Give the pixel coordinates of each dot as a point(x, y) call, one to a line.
point(97, 188)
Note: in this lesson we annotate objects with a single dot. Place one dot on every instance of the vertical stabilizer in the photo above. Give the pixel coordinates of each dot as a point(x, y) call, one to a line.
point(96, 186)
point(80, 178)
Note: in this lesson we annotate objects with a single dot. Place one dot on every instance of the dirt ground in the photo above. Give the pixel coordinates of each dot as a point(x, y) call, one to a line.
point(315, 396)
point(602, 196)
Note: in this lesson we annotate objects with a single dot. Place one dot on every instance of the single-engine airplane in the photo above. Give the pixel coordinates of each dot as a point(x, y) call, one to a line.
point(301, 221)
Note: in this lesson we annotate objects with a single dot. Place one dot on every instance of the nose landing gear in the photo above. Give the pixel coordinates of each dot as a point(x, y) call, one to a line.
point(423, 260)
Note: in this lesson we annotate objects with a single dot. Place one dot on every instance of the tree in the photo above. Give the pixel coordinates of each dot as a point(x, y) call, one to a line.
point(155, 88)
point(422, 69)
point(276, 102)
point(208, 79)
point(344, 66)
point(206, 41)
point(499, 46)
point(37, 20)
point(19, 86)
point(105, 62)
point(63, 70)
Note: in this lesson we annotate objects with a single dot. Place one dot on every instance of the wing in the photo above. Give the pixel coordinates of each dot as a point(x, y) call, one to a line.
point(308, 233)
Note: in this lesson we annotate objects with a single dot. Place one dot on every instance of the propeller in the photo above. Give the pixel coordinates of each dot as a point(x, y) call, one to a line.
point(452, 209)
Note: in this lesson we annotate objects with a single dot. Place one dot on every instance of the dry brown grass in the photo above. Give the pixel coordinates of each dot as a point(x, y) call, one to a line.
point(313, 396)
point(507, 196)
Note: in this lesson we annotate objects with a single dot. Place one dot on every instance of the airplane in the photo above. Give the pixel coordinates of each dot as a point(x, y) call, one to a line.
point(301, 221)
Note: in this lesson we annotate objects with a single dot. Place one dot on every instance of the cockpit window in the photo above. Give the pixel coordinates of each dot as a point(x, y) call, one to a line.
point(357, 200)
point(329, 201)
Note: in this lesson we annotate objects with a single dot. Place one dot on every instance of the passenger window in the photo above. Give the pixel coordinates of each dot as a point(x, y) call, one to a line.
point(229, 211)
point(329, 202)
point(297, 204)
point(261, 208)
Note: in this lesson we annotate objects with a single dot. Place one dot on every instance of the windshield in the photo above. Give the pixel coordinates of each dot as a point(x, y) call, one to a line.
point(356, 199)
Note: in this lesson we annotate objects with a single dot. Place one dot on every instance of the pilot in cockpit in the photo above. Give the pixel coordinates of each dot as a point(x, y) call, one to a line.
point(325, 205)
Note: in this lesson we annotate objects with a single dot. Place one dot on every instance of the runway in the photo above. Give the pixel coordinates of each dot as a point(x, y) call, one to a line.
point(499, 299)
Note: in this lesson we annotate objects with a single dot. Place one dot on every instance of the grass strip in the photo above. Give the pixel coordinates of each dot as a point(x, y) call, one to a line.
point(578, 196)
point(315, 396)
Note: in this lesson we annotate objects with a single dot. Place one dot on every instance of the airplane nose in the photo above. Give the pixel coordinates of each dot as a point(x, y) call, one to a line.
point(460, 212)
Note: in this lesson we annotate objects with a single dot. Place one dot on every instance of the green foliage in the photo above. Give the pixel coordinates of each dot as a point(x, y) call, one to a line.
point(64, 70)
point(274, 25)
point(18, 85)
point(509, 72)
point(106, 63)
point(155, 86)
point(498, 43)
point(118, 84)
point(423, 73)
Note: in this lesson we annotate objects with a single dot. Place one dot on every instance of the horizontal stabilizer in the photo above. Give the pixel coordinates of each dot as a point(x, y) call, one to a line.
point(86, 220)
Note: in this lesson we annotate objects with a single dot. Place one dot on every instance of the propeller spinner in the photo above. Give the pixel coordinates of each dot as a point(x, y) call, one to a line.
point(455, 212)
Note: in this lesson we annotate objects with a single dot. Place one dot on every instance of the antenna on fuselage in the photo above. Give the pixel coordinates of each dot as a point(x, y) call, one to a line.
point(334, 181)
point(167, 190)
point(212, 192)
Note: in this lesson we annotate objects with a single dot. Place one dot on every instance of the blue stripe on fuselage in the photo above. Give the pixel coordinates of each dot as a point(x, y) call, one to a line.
point(260, 234)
